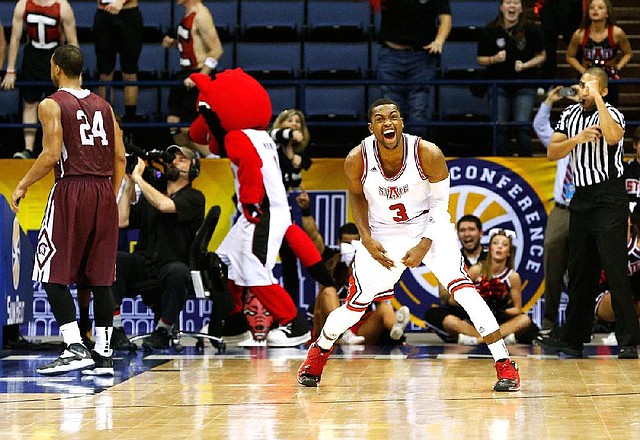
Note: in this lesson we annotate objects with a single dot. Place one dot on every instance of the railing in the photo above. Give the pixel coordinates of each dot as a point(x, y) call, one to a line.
point(301, 84)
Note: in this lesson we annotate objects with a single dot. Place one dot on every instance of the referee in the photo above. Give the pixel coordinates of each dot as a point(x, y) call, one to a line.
point(592, 132)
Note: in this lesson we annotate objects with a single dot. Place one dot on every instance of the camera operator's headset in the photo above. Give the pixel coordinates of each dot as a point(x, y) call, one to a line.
point(194, 169)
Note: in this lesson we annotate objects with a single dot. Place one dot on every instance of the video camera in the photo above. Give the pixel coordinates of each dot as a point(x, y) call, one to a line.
point(157, 163)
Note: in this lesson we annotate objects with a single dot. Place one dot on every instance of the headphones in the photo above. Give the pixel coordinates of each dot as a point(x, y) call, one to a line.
point(194, 169)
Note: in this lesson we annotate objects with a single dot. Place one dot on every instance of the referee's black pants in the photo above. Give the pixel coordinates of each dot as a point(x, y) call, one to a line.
point(598, 239)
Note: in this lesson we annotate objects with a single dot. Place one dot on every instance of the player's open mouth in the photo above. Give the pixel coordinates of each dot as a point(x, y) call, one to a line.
point(389, 135)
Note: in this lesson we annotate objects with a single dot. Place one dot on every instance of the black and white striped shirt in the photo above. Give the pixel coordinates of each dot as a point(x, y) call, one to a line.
point(593, 162)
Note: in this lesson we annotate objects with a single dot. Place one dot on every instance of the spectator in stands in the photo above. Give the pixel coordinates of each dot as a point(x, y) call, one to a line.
point(49, 24)
point(501, 288)
point(556, 236)
point(412, 34)
point(118, 29)
point(168, 222)
point(557, 17)
point(200, 49)
point(469, 233)
point(380, 325)
point(598, 42)
point(511, 48)
point(291, 134)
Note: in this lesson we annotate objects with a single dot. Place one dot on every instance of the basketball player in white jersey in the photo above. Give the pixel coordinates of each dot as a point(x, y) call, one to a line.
point(399, 196)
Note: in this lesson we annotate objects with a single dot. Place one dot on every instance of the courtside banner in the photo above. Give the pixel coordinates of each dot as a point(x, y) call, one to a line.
point(508, 193)
point(504, 193)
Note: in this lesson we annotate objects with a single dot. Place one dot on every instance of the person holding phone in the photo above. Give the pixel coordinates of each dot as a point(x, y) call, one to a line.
point(556, 237)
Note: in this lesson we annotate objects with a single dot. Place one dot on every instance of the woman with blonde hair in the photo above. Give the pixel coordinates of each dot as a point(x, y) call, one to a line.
point(501, 288)
point(290, 132)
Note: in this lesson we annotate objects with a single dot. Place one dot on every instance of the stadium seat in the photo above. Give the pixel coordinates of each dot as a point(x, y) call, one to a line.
point(337, 20)
point(84, 12)
point(335, 103)
point(10, 102)
point(225, 14)
point(272, 13)
point(282, 98)
point(336, 60)
point(158, 13)
point(473, 12)
point(269, 60)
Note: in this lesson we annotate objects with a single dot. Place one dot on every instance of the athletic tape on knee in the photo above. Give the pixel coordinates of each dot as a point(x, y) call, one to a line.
point(478, 311)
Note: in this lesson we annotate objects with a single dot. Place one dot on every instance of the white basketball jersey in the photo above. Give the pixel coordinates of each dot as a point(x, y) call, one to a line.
point(271, 173)
point(395, 200)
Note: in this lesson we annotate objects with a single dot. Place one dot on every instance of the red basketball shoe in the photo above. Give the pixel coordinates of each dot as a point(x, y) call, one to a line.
point(310, 371)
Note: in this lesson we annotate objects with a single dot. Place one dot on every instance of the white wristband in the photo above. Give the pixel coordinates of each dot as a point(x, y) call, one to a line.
point(211, 63)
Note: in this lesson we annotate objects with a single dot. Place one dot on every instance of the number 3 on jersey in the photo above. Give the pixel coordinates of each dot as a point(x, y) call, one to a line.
point(89, 132)
point(401, 212)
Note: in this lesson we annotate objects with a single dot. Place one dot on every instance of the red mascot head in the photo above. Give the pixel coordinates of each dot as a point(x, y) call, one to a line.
point(233, 100)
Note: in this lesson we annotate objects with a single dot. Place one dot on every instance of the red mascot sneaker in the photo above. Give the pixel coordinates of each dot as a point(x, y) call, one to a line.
point(310, 371)
point(508, 376)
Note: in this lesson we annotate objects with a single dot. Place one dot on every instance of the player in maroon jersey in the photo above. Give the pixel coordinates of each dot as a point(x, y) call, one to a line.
point(78, 238)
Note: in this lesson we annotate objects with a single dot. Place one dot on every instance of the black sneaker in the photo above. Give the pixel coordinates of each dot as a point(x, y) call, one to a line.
point(103, 365)
point(120, 341)
point(629, 352)
point(290, 335)
point(73, 357)
point(158, 340)
point(556, 345)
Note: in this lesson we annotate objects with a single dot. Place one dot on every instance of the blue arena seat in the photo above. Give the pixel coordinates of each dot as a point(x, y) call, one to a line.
point(158, 13)
point(225, 12)
point(150, 102)
point(272, 13)
point(473, 12)
point(336, 60)
point(458, 100)
point(152, 58)
point(459, 55)
point(269, 60)
point(83, 10)
point(10, 102)
point(90, 64)
point(338, 20)
point(335, 102)
point(282, 98)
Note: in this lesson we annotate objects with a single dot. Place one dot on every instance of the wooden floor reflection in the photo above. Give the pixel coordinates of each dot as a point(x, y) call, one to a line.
point(362, 396)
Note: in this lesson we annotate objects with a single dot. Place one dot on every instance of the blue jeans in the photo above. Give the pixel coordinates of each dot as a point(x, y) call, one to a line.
point(515, 105)
point(399, 66)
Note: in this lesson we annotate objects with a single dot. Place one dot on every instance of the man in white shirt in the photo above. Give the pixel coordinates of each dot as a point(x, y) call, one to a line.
point(556, 238)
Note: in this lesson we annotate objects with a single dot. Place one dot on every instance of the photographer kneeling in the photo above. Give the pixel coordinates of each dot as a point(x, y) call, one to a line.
point(168, 222)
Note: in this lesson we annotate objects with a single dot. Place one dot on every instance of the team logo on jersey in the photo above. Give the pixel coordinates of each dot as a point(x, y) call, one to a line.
point(501, 199)
point(393, 192)
point(45, 249)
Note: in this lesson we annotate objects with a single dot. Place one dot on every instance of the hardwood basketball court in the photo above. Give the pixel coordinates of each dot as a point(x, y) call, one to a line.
point(419, 391)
